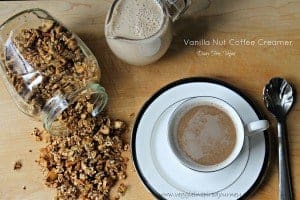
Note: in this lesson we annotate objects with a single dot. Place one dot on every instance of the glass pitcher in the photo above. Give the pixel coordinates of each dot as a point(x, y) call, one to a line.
point(46, 67)
point(148, 49)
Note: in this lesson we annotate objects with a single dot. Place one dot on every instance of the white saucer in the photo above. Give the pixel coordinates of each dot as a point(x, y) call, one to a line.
point(162, 172)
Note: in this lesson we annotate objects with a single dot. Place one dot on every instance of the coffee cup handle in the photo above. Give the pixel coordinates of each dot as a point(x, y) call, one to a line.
point(255, 127)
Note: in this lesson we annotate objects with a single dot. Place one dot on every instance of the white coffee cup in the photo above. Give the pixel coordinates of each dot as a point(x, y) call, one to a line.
point(242, 130)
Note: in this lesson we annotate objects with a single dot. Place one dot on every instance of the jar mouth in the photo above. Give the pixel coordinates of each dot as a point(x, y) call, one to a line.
point(57, 104)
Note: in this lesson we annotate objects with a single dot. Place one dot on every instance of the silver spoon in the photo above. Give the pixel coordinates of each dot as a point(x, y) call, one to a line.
point(278, 98)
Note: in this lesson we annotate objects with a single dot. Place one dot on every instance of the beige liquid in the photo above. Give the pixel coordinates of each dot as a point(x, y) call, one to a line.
point(136, 19)
point(138, 31)
point(206, 135)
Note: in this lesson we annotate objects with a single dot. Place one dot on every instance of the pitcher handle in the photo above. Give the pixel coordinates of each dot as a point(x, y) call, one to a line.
point(176, 8)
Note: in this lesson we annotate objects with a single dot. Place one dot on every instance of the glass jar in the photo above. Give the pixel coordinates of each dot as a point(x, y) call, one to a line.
point(46, 68)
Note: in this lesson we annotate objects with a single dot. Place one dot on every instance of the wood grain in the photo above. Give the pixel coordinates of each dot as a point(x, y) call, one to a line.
point(129, 86)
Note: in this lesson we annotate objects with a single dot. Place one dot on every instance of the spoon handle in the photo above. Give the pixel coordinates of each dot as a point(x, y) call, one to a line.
point(285, 187)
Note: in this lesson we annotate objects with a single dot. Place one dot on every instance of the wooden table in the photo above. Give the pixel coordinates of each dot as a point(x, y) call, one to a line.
point(129, 87)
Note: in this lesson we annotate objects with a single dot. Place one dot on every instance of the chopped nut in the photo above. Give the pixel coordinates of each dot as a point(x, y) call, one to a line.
point(122, 188)
point(79, 68)
point(42, 162)
point(118, 124)
point(72, 44)
point(83, 116)
point(126, 147)
point(18, 165)
point(47, 25)
point(43, 152)
point(89, 107)
point(70, 163)
point(117, 197)
point(38, 134)
point(104, 129)
point(51, 176)
point(122, 175)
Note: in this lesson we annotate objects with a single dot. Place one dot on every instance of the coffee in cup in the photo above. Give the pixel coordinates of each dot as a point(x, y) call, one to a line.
point(207, 134)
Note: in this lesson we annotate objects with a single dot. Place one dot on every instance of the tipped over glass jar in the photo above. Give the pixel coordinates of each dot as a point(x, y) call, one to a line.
point(46, 68)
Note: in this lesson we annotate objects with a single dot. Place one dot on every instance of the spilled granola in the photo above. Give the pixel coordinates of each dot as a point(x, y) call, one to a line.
point(86, 162)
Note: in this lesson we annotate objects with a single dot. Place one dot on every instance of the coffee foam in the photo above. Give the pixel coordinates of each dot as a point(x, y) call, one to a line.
point(206, 134)
point(136, 19)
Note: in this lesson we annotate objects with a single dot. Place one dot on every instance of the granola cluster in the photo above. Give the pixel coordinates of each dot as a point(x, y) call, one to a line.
point(86, 162)
point(45, 61)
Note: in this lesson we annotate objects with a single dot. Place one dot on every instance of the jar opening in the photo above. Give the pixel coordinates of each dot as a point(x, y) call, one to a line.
point(59, 103)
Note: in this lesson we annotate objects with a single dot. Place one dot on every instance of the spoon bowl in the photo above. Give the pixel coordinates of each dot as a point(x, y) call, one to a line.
point(278, 97)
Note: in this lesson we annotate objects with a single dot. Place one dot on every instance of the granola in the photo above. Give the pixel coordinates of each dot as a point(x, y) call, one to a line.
point(86, 162)
point(46, 61)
